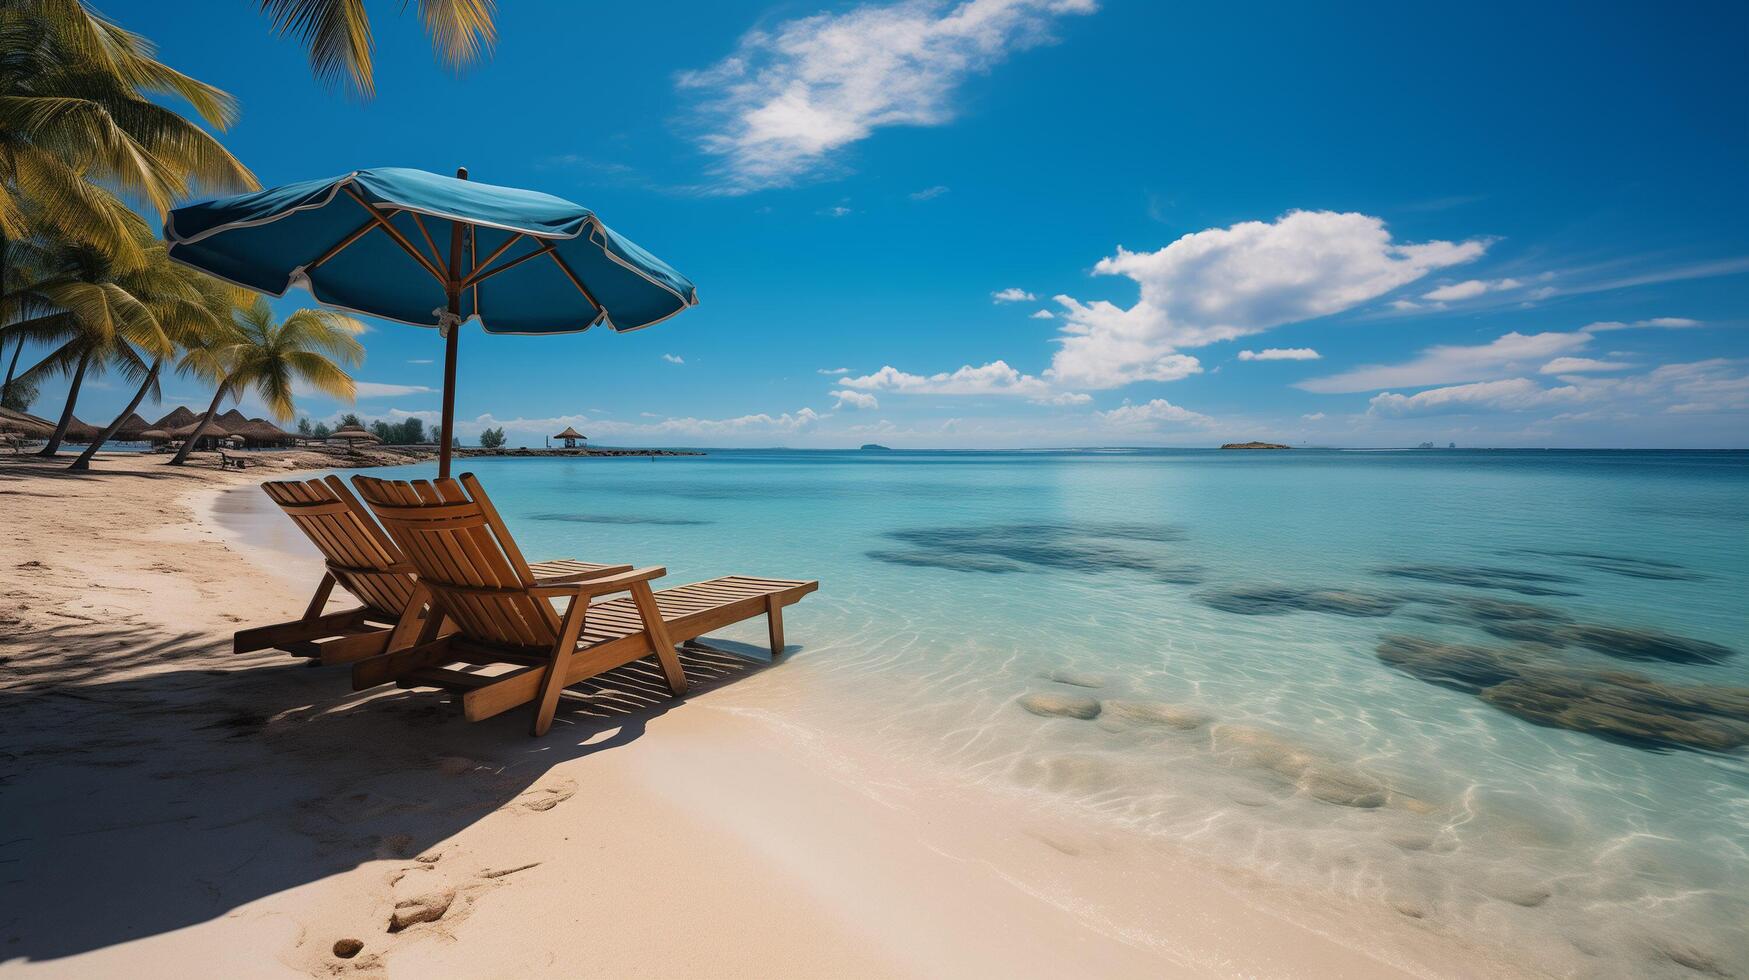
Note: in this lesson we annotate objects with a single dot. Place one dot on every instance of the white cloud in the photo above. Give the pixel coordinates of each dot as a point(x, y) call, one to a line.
point(777, 109)
point(1512, 395)
point(836, 212)
point(1012, 294)
point(1153, 414)
point(673, 358)
point(1663, 322)
point(368, 389)
point(928, 193)
point(994, 378)
point(1469, 289)
point(1510, 354)
point(1223, 283)
point(420, 360)
point(1067, 398)
point(1280, 354)
point(1577, 365)
point(1043, 315)
point(855, 399)
point(1313, 417)
point(832, 371)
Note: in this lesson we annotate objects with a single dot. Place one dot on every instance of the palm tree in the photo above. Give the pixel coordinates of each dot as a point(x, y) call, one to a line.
point(96, 323)
point(189, 309)
point(337, 33)
point(268, 357)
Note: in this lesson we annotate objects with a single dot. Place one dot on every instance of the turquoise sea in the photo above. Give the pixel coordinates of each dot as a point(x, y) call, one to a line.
point(1501, 692)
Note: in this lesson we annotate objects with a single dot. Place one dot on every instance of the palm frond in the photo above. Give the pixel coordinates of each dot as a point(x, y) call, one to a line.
point(337, 34)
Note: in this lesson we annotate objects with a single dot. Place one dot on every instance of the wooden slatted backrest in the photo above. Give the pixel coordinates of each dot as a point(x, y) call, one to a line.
point(465, 555)
point(359, 555)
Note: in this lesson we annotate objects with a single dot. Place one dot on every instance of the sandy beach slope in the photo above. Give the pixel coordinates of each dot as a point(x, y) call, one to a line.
point(171, 809)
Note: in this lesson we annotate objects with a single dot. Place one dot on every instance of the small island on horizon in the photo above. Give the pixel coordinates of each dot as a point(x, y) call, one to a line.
point(1255, 445)
point(875, 447)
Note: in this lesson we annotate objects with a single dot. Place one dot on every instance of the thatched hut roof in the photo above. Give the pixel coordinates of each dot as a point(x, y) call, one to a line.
point(25, 424)
point(570, 433)
point(261, 430)
point(155, 435)
point(178, 417)
point(78, 431)
point(213, 430)
point(233, 420)
point(131, 427)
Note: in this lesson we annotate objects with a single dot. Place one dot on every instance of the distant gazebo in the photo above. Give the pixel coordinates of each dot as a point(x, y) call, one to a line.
point(572, 437)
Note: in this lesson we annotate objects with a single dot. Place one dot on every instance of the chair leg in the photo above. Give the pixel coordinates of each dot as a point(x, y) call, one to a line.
point(774, 625)
point(651, 614)
point(560, 666)
point(319, 601)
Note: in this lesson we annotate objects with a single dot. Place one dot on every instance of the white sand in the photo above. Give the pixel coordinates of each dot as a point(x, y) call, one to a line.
point(170, 809)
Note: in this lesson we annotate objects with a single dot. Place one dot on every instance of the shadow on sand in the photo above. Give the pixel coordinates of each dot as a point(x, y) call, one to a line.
point(140, 793)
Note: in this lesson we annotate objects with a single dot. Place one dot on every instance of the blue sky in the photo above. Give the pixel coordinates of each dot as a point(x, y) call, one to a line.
point(1067, 222)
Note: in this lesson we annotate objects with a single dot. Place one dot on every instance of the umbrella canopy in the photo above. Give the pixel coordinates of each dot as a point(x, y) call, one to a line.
point(570, 433)
point(433, 251)
point(155, 435)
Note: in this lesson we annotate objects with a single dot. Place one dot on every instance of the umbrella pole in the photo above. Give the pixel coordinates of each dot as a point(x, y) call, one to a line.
point(454, 289)
point(448, 437)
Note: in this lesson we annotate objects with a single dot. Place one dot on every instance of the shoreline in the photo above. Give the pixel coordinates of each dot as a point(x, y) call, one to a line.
point(774, 849)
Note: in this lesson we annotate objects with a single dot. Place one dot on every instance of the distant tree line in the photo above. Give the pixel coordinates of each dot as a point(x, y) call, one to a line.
point(407, 432)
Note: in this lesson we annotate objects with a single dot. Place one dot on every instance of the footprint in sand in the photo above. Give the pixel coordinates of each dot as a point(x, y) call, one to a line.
point(544, 798)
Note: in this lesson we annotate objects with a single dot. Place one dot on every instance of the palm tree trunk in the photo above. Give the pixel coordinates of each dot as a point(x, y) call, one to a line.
point(54, 443)
point(205, 420)
point(6, 391)
point(84, 460)
point(11, 369)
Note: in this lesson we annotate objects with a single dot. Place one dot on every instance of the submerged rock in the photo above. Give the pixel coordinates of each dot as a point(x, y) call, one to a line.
point(1482, 577)
point(1061, 705)
point(1074, 679)
point(1139, 713)
point(1276, 600)
point(1627, 643)
point(1315, 775)
point(1616, 705)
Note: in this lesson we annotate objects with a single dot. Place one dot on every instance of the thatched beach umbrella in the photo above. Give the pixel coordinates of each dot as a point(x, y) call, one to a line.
point(131, 428)
point(154, 435)
point(433, 251)
point(571, 435)
point(213, 431)
point(354, 434)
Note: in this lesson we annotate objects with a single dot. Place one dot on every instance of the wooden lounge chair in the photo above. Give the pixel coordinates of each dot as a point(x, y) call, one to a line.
point(504, 619)
point(367, 563)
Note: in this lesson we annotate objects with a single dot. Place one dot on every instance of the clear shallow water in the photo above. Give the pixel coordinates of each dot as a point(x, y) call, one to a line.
point(1250, 594)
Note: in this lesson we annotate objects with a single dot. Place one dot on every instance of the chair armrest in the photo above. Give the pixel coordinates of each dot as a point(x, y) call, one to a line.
point(593, 573)
point(589, 588)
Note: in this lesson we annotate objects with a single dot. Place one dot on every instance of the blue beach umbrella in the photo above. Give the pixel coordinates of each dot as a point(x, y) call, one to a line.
point(432, 251)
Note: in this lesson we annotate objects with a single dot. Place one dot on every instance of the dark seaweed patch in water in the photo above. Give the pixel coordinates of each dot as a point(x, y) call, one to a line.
point(1538, 686)
point(617, 519)
point(1482, 577)
point(1276, 600)
point(1087, 547)
point(1624, 565)
point(1527, 623)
